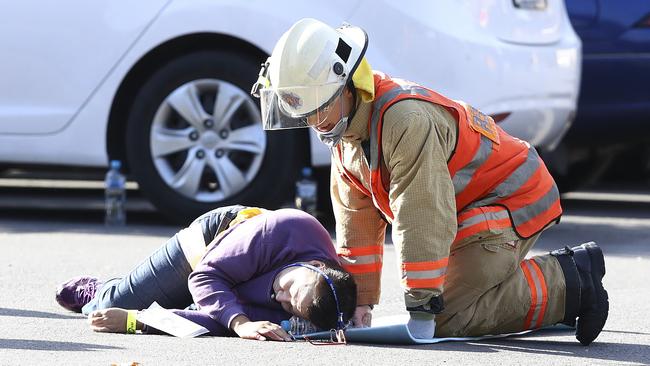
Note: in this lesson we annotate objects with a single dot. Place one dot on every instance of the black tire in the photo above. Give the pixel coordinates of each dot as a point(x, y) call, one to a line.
point(580, 175)
point(285, 153)
point(574, 167)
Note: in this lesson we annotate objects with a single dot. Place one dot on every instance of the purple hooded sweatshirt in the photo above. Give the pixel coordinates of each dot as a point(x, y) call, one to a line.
point(237, 272)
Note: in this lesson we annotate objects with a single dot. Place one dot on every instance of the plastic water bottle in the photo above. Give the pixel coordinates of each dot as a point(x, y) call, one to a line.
point(115, 195)
point(298, 326)
point(306, 192)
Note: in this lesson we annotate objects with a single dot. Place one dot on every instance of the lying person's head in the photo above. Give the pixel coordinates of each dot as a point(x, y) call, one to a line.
point(305, 292)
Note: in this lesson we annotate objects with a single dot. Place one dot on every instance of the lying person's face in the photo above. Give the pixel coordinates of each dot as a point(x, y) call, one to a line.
point(294, 289)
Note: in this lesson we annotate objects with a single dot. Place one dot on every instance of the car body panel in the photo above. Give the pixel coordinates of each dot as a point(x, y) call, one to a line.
point(43, 87)
point(535, 80)
point(177, 19)
point(537, 84)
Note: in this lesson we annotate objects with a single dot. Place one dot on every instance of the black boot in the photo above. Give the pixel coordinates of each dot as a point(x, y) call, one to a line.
point(586, 299)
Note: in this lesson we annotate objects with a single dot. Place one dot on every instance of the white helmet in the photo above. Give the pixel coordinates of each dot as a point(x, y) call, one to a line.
point(309, 67)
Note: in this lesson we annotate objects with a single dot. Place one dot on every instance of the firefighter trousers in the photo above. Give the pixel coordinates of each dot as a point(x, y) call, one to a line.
point(492, 289)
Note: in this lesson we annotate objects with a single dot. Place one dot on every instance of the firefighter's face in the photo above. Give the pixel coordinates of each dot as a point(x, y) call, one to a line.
point(333, 112)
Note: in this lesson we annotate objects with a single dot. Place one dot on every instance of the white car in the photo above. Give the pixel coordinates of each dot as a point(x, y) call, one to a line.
point(163, 85)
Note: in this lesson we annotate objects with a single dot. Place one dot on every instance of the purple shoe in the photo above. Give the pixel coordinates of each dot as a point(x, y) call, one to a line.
point(77, 292)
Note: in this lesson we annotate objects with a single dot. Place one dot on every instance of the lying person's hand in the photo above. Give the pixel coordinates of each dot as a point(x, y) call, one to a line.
point(260, 330)
point(111, 320)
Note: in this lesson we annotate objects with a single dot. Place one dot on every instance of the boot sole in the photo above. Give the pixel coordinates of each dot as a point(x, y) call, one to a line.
point(595, 320)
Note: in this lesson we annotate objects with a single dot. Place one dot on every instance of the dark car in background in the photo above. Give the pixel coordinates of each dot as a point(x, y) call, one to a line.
point(612, 125)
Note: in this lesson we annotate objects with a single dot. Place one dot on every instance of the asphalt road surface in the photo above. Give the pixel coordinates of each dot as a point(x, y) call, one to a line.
point(48, 236)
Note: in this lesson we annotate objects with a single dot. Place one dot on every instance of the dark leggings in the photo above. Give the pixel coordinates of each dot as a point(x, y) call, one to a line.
point(163, 276)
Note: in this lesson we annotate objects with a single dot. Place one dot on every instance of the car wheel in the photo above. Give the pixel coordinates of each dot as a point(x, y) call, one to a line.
point(574, 167)
point(195, 139)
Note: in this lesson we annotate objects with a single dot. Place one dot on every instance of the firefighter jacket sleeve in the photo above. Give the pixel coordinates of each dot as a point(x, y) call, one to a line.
point(360, 233)
point(417, 142)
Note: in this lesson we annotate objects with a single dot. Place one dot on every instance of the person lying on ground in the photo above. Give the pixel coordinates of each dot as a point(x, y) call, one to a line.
point(245, 269)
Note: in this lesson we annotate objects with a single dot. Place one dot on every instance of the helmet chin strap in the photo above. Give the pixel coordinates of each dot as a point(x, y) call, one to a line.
point(353, 108)
point(332, 137)
point(340, 325)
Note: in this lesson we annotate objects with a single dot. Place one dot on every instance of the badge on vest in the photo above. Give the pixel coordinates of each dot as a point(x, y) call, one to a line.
point(482, 123)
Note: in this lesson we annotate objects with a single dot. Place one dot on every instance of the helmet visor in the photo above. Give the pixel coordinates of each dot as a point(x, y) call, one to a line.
point(297, 107)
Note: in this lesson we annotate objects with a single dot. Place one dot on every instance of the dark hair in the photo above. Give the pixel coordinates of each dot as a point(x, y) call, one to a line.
point(322, 311)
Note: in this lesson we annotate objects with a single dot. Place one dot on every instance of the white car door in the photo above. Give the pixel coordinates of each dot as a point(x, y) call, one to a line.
point(55, 54)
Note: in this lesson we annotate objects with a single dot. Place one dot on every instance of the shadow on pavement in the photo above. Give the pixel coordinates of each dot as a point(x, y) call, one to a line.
point(613, 240)
point(624, 332)
point(621, 352)
point(32, 345)
point(74, 221)
point(612, 207)
point(35, 314)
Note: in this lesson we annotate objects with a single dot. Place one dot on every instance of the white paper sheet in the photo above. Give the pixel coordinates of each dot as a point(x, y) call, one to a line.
point(168, 322)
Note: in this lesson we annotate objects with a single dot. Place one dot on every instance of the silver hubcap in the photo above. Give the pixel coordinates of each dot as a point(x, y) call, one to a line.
point(207, 141)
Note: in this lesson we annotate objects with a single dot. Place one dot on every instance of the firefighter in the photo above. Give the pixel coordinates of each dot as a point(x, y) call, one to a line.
point(466, 201)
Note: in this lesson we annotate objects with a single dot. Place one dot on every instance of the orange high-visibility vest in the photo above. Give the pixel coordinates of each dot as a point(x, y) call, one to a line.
point(499, 180)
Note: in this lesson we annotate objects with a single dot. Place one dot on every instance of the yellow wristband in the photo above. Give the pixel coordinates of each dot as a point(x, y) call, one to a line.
point(131, 321)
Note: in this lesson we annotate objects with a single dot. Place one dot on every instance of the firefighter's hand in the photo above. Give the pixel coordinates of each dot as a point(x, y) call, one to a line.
point(362, 316)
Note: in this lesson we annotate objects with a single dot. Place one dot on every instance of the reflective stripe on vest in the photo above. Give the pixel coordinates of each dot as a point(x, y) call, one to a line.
point(464, 175)
point(362, 259)
point(538, 294)
point(488, 166)
point(515, 183)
